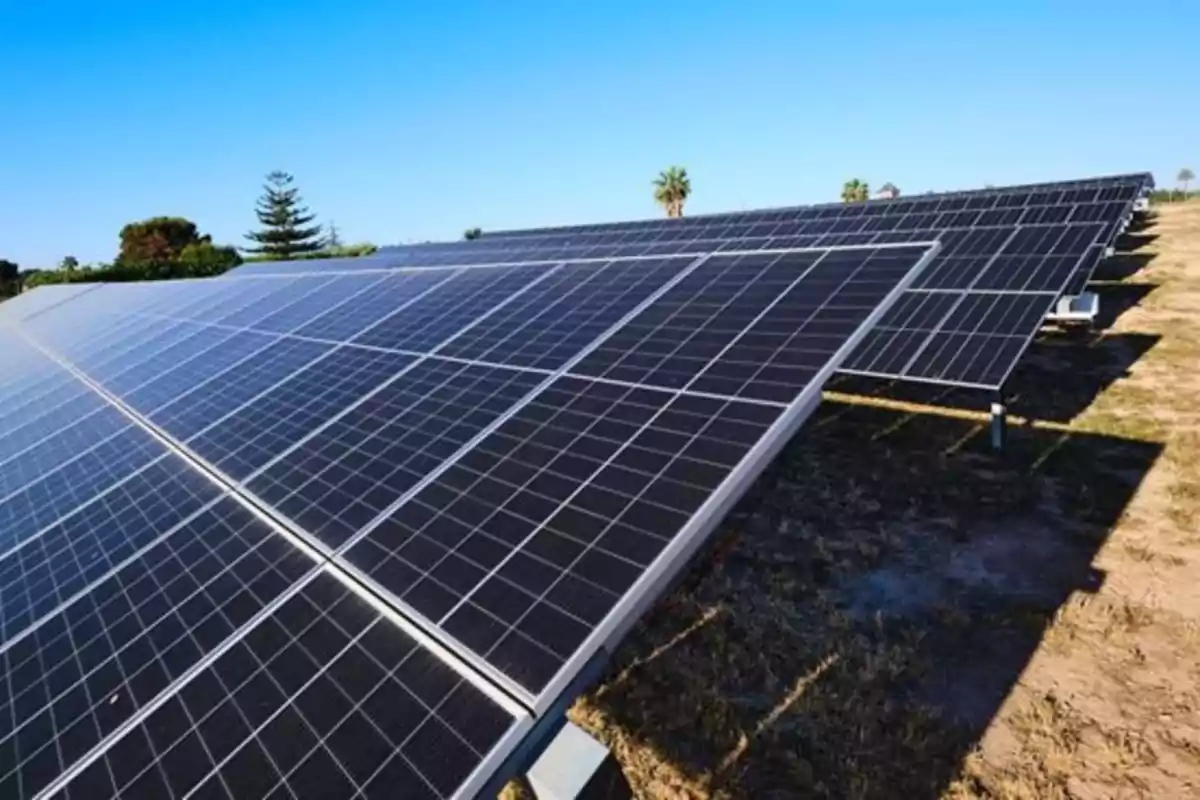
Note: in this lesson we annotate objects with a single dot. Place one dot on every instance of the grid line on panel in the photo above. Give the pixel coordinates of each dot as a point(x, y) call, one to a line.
point(266, 492)
point(288, 295)
point(323, 695)
point(196, 408)
point(74, 554)
point(429, 595)
point(413, 303)
point(548, 323)
point(748, 326)
point(510, 512)
point(150, 392)
point(53, 305)
point(341, 478)
point(916, 355)
point(63, 389)
point(393, 295)
point(111, 654)
point(53, 452)
point(129, 351)
point(50, 425)
point(253, 434)
point(629, 355)
point(197, 349)
point(54, 494)
point(227, 302)
point(342, 290)
point(315, 731)
point(443, 314)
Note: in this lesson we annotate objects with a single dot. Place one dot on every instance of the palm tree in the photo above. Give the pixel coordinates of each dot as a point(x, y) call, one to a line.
point(672, 189)
point(855, 191)
point(1185, 177)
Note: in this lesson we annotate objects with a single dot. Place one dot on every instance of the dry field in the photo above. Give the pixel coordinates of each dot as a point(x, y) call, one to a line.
point(895, 611)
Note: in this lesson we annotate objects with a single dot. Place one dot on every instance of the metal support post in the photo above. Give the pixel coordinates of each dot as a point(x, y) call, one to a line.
point(999, 423)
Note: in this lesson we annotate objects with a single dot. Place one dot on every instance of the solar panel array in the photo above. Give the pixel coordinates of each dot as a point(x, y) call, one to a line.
point(353, 534)
point(1007, 255)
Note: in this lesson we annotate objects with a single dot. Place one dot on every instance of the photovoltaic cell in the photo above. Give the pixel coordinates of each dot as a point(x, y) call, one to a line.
point(88, 668)
point(161, 386)
point(756, 326)
point(555, 319)
point(77, 480)
point(390, 296)
point(47, 419)
point(199, 406)
point(526, 543)
point(324, 698)
point(46, 455)
point(342, 289)
point(263, 429)
point(338, 480)
point(437, 316)
point(42, 572)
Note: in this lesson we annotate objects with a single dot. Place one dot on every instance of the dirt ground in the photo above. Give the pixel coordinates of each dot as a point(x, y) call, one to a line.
point(896, 611)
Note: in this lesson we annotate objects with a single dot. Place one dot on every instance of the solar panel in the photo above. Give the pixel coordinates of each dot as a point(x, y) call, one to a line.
point(1043, 239)
point(344, 546)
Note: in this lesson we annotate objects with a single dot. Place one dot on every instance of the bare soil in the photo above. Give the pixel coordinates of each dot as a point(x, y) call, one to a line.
point(897, 611)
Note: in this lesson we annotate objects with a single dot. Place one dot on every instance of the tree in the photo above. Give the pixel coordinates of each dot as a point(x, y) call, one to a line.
point(287, 230)
point(472, 233)
point(1185, 177)
point(158, 240)
point(204, 258)
point(672, 189)
point(889, 190)
point(10, 277)
point(333, 240)
point(855, 191)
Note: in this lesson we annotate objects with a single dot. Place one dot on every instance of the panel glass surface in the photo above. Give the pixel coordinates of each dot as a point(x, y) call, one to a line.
point(87, 669)
point(523, 546)
point(323, 699)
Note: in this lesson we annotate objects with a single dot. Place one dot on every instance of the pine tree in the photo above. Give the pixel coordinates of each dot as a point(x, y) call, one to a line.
point(286, 222)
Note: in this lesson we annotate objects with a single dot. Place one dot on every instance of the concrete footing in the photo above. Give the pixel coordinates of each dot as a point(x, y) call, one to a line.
point(577, 767)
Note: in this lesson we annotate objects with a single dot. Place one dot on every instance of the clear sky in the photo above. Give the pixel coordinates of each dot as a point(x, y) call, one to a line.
point(407, 121)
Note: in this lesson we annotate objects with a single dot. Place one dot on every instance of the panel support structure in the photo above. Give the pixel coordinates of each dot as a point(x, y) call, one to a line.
point(577, 767)
point(999, 424)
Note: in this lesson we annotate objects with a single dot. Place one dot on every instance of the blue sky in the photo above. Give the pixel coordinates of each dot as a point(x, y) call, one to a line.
point(409, 121)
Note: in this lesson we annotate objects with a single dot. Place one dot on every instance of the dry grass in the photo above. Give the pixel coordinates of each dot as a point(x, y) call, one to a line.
point(894, 611)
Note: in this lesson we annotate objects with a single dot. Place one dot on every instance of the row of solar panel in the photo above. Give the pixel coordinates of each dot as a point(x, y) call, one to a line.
point(159, 637)
point(1092, 190)
point(1036, 251)
point(849, 229)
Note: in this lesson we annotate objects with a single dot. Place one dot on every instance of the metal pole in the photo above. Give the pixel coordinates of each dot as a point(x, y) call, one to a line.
point(999, 422)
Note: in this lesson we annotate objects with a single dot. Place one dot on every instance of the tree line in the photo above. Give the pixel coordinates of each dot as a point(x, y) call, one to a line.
point(173, 247)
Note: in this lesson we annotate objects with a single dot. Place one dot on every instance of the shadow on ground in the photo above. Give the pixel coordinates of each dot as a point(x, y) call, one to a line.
point(1121, 266)
point(864, 612)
